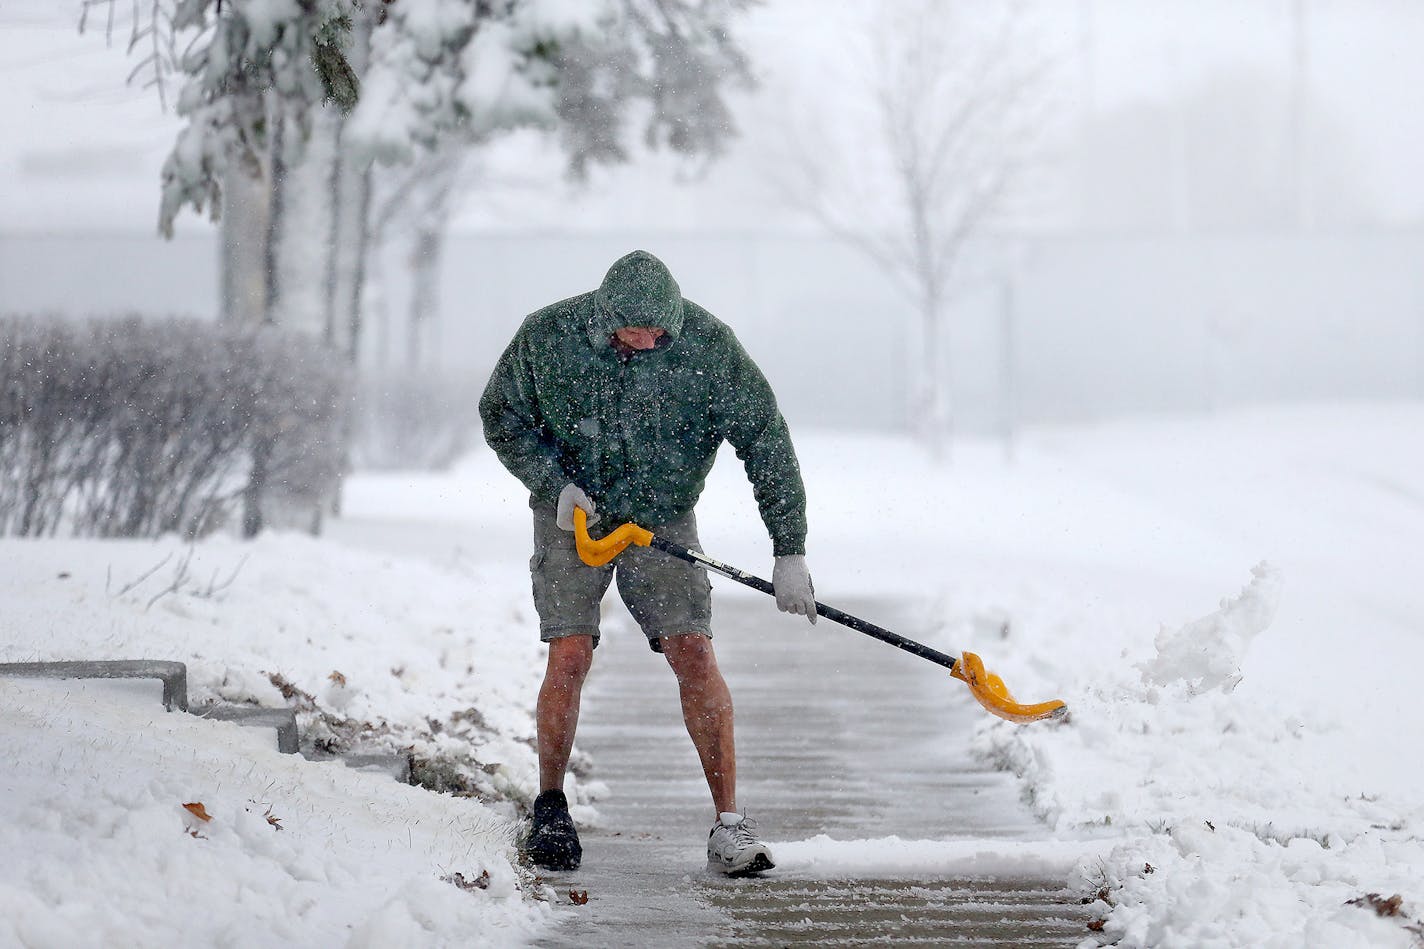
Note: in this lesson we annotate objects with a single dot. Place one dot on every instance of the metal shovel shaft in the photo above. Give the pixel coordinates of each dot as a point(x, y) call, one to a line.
point(829, 612)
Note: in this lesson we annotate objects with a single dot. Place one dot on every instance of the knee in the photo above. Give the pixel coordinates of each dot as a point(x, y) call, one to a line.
point(690, 655)
point(569, 660)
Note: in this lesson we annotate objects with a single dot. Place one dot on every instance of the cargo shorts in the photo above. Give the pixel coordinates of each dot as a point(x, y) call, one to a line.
point(666, 596)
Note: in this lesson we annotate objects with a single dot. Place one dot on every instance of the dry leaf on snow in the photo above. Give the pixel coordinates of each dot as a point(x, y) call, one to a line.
point(1383, 907)
point(480, 882)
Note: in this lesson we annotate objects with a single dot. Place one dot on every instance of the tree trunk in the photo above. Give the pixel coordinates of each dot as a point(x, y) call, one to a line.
point(247, 202)
point(299, 254)
point(303, 222)
point(351, 185)
point(931, 410)
point(252, 495)
point(427, 245)
point(1008, 369)
point(378, 298)
point(930, 413)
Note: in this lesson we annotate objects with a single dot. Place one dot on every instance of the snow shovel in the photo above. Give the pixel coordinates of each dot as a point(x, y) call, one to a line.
point(968, 668)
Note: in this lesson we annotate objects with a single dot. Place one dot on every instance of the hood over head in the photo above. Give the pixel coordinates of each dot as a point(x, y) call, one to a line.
point(638, 291)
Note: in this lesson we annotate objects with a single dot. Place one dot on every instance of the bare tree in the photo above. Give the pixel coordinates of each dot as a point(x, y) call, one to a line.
point(932, 125)
point(428, 203)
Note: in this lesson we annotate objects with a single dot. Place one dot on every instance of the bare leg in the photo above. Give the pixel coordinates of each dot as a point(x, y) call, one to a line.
point(707, 712)
point(558, 710)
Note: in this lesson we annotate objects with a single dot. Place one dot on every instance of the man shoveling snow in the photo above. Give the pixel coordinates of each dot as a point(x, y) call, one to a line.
point(616, 402)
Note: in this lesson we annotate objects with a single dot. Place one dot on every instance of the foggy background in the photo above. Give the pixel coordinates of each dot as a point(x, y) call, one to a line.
point(1214, 203)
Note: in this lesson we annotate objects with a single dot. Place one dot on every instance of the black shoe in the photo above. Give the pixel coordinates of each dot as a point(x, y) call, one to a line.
point(553, 841)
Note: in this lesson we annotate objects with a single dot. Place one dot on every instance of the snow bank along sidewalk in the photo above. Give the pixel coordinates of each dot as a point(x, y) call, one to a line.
point(374, 653)
point(1237, 825)
point(125, 825)
point(1260, 758)
point(1257, 764)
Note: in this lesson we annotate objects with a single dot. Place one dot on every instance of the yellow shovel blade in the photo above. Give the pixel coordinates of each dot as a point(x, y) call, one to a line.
point(991, 693)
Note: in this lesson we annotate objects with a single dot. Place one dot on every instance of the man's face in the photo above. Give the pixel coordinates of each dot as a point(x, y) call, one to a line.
point(639, 337)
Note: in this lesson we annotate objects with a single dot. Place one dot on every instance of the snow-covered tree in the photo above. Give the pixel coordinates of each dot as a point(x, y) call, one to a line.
point(908, 145)
point(294, 100)
point(446, 77)
point(446, 67)
point(249, 68)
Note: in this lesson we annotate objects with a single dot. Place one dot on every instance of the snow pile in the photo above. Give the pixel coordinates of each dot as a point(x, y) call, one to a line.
point(1212, 884)
point(1206, 654)
point(1236, 824)
point(982, 858)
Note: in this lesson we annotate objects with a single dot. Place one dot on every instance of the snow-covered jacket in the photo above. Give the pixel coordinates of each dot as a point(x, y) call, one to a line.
point(639, 431)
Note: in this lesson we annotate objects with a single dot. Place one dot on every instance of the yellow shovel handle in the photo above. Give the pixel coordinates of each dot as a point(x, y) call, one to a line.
point(596, 553)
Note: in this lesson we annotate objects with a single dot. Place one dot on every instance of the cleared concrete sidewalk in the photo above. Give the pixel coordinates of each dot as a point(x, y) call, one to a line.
point(836, 735)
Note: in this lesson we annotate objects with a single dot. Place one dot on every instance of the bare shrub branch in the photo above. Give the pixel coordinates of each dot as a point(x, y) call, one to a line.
point(138, 581)
point(133, 428)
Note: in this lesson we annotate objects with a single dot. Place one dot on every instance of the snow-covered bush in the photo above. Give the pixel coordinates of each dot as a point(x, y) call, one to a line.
point(134, 428)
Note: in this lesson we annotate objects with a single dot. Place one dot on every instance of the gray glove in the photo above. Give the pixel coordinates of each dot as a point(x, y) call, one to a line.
point(794, 593)
point(572, 496)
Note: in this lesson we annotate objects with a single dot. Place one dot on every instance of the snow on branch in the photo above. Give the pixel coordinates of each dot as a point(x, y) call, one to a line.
point(440, 71)
point(453, 70)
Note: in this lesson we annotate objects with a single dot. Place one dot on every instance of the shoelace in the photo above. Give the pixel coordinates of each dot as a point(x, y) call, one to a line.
point(744, 832)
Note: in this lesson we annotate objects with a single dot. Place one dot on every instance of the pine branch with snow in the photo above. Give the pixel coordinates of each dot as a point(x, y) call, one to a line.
point(248, 66)
point(448, 69)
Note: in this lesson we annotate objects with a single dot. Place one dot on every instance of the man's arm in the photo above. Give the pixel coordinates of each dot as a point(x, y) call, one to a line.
point(514, 429)
point(747, 416)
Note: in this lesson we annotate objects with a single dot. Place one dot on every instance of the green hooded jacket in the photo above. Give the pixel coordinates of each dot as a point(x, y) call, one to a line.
point(639, 432)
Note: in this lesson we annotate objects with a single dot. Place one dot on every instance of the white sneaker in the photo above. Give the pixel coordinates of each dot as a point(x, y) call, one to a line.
point(733, 847)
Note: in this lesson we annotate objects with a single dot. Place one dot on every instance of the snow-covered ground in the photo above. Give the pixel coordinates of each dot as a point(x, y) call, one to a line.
point(1230, 607)
point(377, 654)
point(101, 850)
